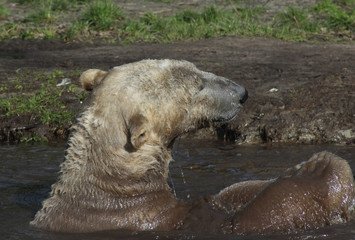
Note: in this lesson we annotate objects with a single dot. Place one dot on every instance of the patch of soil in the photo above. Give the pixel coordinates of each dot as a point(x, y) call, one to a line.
point(298, 92)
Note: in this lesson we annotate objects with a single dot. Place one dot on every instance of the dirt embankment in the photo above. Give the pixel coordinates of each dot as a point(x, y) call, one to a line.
point(298, 92)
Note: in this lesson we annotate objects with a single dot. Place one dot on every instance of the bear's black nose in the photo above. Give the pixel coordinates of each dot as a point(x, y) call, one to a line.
point(244, 98)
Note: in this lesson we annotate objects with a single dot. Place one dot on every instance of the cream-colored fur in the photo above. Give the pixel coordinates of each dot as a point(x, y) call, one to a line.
point(91, 78)
point(116, 166)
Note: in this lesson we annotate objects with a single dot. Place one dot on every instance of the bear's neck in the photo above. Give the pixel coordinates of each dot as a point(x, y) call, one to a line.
point(110, 171)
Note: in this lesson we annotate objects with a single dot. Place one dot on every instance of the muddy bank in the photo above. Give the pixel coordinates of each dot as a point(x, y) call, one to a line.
point(298, 92)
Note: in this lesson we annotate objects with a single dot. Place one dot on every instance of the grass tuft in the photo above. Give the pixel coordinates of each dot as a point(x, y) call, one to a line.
point(296, 18)
point(336, 14)
point(190, 24)
point(45, 103)
point(326, 20)
point(102, 15)
point(43, 14)
point(4, 12)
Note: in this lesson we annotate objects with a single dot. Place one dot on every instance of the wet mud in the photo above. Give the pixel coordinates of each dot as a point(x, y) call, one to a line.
point(298, 92)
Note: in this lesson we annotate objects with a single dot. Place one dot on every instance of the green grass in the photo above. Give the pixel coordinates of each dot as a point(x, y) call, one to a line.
point(36, 98)
point(161, 1)
point(327, 20)
point(192, 25)
point(56, 3)
point(43, 14)
point(43, 103)
point(294, 24)
point(25, 2)
point(336, 15)
point(102, 15)
point(75, 29)
point(296, 18)
point(331, 19)
point(4, 12)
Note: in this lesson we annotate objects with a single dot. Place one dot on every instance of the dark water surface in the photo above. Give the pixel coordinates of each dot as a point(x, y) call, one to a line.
point(200, 168)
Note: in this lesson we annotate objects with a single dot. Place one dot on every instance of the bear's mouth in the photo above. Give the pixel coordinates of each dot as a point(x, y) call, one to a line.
point(171, 144)
point(223, 118)
point(227, 117)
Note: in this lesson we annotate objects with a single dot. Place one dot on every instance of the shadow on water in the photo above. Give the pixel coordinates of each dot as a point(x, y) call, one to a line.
point(201, 167)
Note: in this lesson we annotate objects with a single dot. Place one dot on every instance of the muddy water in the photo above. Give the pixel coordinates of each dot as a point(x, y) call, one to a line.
point(201, 167)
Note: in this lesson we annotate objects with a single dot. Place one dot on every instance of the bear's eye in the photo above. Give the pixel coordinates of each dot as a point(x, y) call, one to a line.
point(201, 87)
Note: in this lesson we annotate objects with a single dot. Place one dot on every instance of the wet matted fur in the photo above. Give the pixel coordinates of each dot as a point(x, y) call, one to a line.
point(115, 171)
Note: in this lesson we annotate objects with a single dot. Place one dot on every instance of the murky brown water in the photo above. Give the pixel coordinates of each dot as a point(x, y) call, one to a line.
point(201, 167)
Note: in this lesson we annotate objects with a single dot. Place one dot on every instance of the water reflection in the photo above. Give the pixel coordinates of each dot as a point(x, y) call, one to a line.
point(200, 168)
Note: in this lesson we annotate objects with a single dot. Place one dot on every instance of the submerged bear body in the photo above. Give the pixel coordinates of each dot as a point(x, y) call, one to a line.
point(116, 166)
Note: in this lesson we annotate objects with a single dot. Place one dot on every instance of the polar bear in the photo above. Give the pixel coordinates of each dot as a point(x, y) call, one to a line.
point(116, 166)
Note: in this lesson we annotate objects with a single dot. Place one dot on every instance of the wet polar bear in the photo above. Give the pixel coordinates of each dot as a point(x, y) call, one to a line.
point(116, 166)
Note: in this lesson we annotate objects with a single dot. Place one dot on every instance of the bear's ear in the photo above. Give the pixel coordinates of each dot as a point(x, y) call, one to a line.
point(138, 130)
point(91, 78)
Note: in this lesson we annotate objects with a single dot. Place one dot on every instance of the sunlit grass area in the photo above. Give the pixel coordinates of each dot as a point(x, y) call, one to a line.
point(40, 98)
point(86, 20)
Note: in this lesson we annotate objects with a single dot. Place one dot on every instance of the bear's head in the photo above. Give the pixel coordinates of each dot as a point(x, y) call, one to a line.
point(165, 98)
point(137, 110)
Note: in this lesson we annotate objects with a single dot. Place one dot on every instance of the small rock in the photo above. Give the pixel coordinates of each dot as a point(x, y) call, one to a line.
point(65, 81)
point(347, 133)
